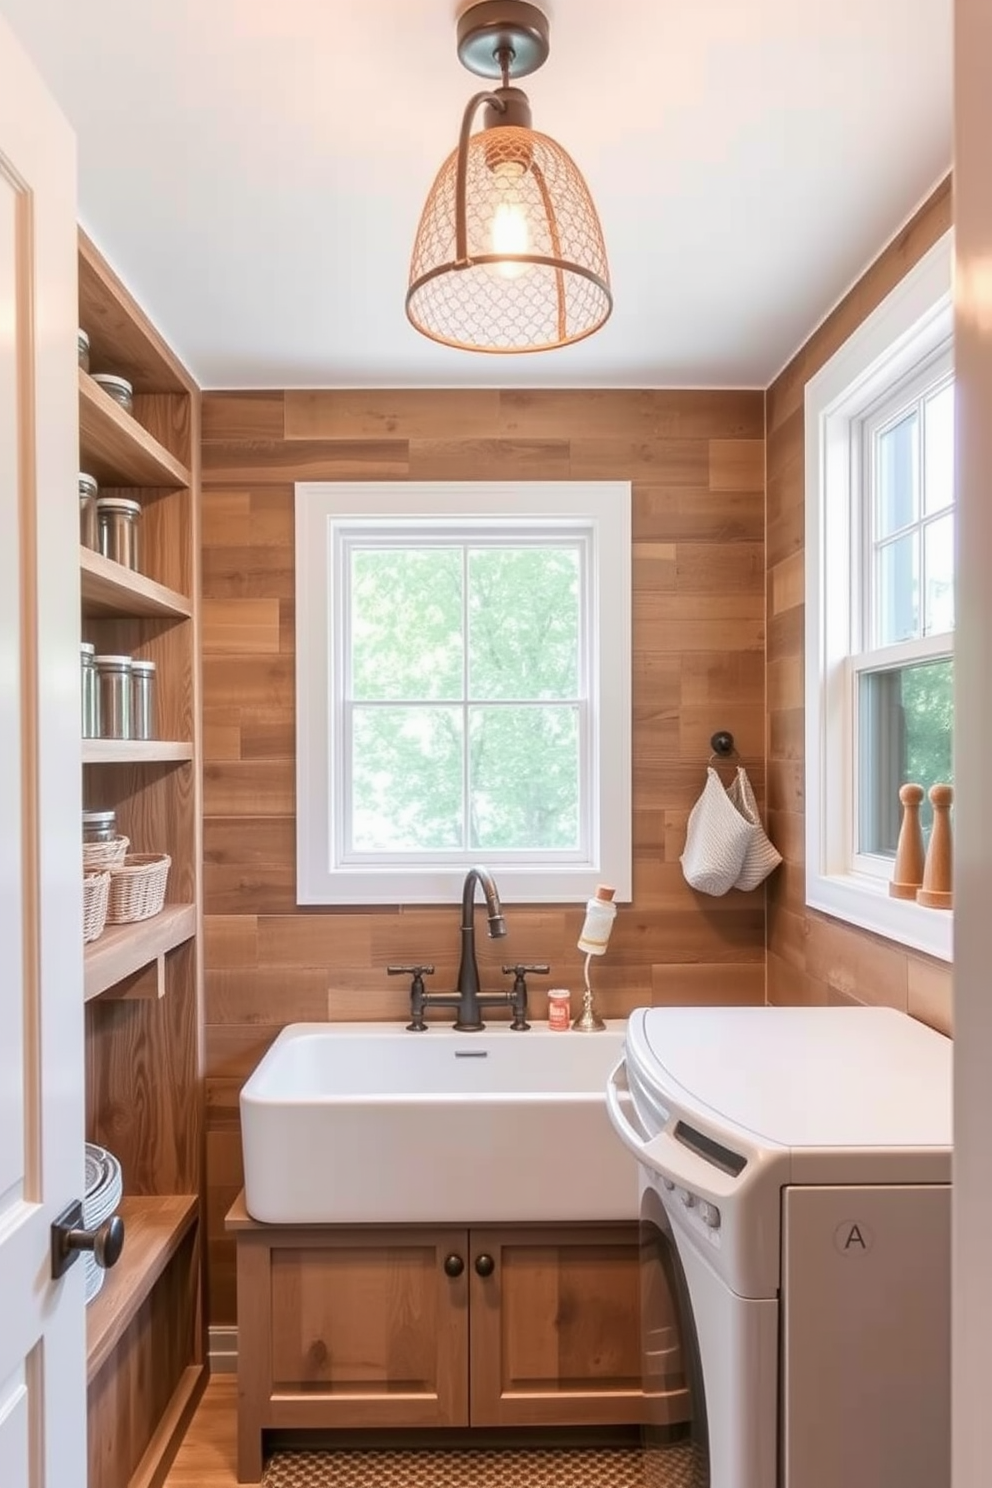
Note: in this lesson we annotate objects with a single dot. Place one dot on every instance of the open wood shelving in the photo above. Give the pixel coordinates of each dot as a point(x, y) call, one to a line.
point(116, 449)
point(135, 751)
point(123, 950)
point(146, 1340)
point(110, 591)
point(153, 1228)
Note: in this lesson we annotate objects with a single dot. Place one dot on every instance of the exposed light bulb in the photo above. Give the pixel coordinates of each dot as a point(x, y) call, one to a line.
point(510, 233)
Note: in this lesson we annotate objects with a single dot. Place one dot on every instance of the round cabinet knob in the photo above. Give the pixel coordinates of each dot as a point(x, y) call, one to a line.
point(453, 1266)
point(484, 1265)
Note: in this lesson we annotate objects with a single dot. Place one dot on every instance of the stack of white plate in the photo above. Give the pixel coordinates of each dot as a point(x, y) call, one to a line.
point(101, 1198)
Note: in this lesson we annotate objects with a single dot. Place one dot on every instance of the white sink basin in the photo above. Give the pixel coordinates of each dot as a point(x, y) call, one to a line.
point(355, 1123)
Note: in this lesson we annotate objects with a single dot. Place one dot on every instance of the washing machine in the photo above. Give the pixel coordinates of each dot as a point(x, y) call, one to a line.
point(795, 1169)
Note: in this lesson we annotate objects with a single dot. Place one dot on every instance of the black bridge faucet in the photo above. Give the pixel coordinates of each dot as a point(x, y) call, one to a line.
point(467, 998)
point(469, 1001)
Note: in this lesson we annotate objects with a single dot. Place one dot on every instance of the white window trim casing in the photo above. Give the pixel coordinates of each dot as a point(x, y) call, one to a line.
point(914, 320)
point(605, 506)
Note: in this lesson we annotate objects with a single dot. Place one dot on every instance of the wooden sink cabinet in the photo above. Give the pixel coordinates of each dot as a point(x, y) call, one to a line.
point(393, 1326)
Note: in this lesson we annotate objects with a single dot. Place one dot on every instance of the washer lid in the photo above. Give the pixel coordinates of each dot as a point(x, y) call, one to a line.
point(826, 1078)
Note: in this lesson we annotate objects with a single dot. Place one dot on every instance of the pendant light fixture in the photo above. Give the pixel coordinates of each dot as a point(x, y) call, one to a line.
point(509, 254)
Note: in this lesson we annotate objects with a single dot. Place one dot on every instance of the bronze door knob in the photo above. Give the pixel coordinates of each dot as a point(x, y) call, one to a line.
point(484, 1265)
point(453, 1266)
point(69, 1237)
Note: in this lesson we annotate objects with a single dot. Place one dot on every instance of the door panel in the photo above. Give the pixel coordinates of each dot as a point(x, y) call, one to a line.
point(42, 1342)
point(867, 1336)
point(15, 1415)
point(350, 1327)
point(366, 1322)
point(555, 1326)
point(12, 845)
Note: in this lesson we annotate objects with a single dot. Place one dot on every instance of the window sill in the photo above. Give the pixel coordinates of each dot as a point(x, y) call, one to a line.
point(866, 902)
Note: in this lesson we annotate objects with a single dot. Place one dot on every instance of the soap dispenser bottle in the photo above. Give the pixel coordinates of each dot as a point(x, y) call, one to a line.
point(600, 914)
point(593, 938)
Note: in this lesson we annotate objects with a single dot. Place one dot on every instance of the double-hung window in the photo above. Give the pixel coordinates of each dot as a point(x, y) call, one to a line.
point(880, 600)
point(903, 671)
point(462, 689)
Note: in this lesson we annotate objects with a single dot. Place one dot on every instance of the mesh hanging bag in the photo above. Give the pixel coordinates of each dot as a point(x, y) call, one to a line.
point(716, 841)
point(761, 856)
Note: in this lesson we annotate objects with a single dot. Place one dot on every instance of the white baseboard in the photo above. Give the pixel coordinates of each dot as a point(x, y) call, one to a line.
point(223, 1350)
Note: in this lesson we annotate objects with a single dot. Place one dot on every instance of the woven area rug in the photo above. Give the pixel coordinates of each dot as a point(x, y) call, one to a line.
point(582, 1467)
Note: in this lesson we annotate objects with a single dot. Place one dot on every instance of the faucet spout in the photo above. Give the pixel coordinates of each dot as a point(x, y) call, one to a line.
point(469, 1018)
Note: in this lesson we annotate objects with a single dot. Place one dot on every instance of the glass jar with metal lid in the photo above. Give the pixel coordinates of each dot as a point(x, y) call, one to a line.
point(115, 696)
point(117, 388)
point(99, 826)
point(83, 349)
point(88, 528)
point(89, 691)
point(119, 520)
point(142, 699)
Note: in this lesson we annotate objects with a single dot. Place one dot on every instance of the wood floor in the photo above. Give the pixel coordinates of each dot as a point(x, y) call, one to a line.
point(207, 1456)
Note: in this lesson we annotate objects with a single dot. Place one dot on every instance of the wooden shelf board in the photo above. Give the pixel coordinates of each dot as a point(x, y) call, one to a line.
point(110, 589)
point(115, 448)
point(135, 751)
point(154, 1226)
point(124, 949)
point(122, 339)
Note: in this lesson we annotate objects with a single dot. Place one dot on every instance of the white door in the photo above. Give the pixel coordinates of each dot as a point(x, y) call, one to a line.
point(971, 1361)
point(42, 1323)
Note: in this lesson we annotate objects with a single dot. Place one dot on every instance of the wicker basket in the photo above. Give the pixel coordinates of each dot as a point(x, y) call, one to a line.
point(100, 855)
point(137, 888)
point(96, 892)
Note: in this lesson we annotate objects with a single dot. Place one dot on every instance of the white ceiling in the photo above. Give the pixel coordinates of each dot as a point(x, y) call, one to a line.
point(255, 170)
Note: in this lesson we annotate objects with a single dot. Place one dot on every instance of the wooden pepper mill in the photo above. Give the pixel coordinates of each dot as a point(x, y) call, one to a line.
point(936, 891)
point(907, 876)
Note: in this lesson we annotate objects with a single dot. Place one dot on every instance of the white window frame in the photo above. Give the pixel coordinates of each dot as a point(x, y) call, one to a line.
point(908, 328)
point(326, 514)
point(867, 655)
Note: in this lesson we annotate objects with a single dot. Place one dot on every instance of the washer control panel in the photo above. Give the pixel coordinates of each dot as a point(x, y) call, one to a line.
point(700, 1215)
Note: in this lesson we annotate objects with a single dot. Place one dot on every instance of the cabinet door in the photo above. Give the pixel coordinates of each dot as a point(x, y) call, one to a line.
point(555, 1326)
point(370, 1326)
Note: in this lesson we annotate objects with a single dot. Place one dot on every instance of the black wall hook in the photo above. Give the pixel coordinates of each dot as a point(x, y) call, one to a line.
point(722, 744)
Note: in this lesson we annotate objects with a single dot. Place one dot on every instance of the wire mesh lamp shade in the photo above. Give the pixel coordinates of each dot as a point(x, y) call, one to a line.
point(530, 272)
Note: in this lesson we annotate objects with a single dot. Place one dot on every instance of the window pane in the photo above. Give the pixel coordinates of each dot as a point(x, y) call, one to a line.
point(905, 722)
point(523, 622)
point(524, 777)
point(897, 590)
point(938, 566)
point(895, 496)
point(406, 768)
point(938, 488)
point(406, 623)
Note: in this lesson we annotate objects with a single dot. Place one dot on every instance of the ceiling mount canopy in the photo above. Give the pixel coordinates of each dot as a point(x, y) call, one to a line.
point(498, 29)
point(509, 254)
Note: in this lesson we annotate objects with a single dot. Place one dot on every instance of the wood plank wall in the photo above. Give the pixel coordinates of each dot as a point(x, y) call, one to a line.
point(697, 463)
point(812, 958)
